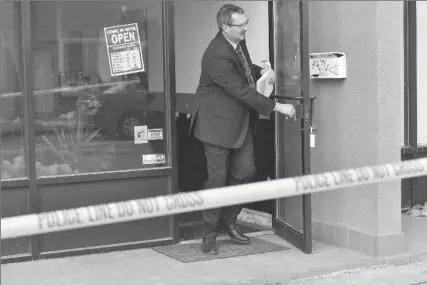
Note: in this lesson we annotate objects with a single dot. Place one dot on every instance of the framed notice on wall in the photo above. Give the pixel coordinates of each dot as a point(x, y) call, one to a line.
point(124, 49)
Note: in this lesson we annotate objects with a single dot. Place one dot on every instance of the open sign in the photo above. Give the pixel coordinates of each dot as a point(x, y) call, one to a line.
point(124, 49)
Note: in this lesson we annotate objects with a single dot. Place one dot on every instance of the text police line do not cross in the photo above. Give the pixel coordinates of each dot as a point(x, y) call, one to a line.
point(205, 199)
point(119, 210)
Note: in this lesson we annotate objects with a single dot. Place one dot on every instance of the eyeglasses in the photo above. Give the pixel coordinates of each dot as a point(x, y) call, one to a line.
point(241, 26)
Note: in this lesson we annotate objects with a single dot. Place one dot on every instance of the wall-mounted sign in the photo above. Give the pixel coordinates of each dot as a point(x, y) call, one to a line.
point(328, 65)
point(124, 49)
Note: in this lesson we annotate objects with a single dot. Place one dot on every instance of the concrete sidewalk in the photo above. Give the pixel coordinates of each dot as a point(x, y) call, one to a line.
point(147, 267)
point(405, 274)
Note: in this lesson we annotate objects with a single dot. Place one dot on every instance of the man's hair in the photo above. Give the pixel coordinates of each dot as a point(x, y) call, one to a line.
point(223, 17)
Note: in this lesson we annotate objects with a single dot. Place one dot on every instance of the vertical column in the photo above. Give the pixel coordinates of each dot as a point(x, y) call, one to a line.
point(390, 92)
point(27, 75)
point(170, 102)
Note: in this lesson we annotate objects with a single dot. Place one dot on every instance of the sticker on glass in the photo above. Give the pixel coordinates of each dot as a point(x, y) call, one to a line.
point(155, 134)
point(140, 134)
point(124, 49)
point(153, 158)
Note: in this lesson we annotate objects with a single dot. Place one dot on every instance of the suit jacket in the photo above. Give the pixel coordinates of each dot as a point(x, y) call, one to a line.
point(224, 99)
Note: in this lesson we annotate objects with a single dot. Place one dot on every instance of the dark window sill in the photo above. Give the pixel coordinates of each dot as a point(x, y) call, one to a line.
point(407, 150)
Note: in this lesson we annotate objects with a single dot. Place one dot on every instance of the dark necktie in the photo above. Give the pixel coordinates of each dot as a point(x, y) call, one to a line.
point(245, 63)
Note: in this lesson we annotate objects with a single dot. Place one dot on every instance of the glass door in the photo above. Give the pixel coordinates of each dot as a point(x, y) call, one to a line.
point(292, 216)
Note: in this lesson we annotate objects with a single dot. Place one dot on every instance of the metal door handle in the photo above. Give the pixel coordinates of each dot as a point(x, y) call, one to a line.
point(299, 108)
point(285, 97)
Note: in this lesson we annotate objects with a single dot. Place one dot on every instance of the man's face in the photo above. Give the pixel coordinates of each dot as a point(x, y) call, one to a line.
point(237, 30)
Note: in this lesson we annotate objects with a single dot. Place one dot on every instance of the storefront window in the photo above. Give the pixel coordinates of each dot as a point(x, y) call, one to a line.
point(88, 119)
point(13, 162)
point(422, 71)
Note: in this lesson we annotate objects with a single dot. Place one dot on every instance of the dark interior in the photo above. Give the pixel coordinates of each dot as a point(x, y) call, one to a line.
point(192, 172)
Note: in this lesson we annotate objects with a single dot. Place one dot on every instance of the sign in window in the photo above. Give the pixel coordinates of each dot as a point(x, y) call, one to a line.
point(124, 49)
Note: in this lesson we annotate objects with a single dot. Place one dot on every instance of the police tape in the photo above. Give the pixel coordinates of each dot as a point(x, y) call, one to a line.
point(125, 211)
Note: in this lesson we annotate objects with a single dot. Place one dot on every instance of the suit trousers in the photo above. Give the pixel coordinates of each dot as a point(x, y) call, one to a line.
point(226, 167)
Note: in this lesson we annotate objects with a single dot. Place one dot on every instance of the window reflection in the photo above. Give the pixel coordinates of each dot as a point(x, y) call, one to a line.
point(13, 163)
point(85, 117)
point(288, 51)
point(289, 210)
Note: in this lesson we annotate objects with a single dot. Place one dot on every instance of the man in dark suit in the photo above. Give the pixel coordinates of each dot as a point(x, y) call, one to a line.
point(224, 118)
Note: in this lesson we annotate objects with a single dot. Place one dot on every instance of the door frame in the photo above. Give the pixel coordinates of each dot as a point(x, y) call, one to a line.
point(303, 241)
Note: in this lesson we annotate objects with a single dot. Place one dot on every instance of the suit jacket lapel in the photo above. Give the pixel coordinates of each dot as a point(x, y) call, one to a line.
point(236, 56)
point(232, 50)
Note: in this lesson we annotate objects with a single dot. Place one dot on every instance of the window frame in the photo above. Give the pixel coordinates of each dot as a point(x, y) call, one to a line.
point(410, 93)
point(33, 184)
point(169, 87)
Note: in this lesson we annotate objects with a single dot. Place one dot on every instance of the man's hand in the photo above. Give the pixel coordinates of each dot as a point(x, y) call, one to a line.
point(285, 109)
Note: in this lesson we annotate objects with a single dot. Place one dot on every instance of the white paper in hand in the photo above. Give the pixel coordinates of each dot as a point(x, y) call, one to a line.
point(264, 85)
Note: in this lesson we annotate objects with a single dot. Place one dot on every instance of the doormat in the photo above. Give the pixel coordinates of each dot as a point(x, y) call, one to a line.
point(192, 231)
point(188, 253)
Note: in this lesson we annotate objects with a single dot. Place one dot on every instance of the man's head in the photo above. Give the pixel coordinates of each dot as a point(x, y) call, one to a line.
point(232, 22)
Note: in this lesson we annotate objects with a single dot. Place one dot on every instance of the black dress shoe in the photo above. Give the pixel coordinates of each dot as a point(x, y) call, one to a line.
point(209, 245)
point(234, 234)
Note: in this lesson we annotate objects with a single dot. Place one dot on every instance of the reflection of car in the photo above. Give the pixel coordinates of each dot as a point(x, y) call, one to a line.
point(117, 113)
point(121, 112)
point(118, 109)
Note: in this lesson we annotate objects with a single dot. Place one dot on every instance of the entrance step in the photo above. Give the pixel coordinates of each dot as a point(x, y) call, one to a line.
point(254, 217)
